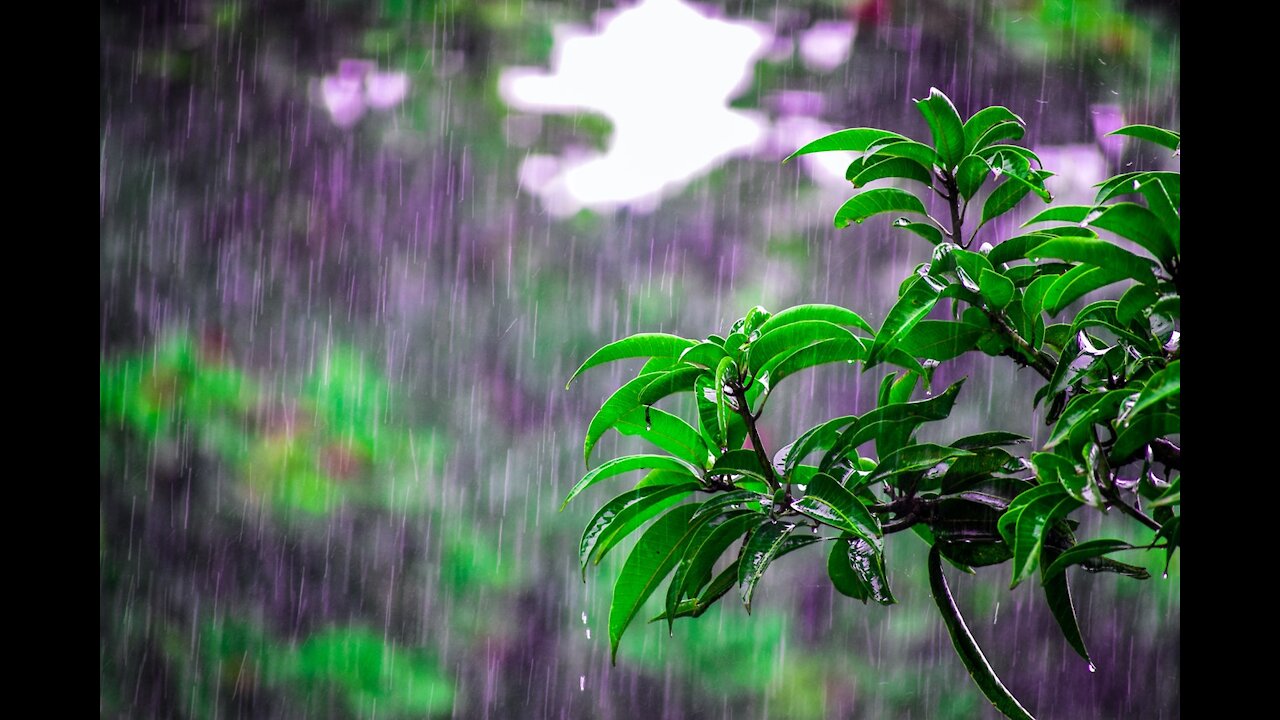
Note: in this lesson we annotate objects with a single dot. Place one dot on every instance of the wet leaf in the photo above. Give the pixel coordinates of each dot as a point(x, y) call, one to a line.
point(1136, 223)
point(709, 542)
point(1003, 199)
point(940, 339)
point(622, 402)
point(970, 173)
point(619, 517)
point(854, 139)
point(1058, 594)
point(652, 559)
point(791, 337)
point(1077, 554)
point(1151, 133)
point(1143, 429)
point(893, 167)
point(856, 568)
point(905, 314)
point(995, 288)
point(815, 311)
point(827, 501)
point(928, 231)
point(919, 153)
point(617, 466)
point(873, 202)
point(944, 123)
point(667, 432)
point(641, 345)
point(983, 120)
point(967, 648)
point(671, 382)
point(1078, 282)
point(762, 547)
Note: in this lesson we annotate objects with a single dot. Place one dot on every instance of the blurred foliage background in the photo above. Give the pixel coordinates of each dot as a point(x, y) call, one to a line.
point(334, 433)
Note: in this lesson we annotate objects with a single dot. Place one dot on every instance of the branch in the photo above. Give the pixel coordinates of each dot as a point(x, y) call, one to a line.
point(744, 410)
point(1037, 359)
point(1113, 495)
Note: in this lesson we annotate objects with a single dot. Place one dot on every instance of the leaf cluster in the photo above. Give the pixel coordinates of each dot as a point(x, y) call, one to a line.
point(717, 508)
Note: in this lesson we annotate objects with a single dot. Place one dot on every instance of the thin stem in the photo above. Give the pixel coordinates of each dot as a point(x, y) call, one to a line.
point(1040, 361)
point(1113, 495)
point(735, 389)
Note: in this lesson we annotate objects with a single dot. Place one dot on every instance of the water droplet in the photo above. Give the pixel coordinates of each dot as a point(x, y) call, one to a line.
point(584, 618)
point(582, 683)
point(1092, 669)
point(1165, 576)
point(588, 633)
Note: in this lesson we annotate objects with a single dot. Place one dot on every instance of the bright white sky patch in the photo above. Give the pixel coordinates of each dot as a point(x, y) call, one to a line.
point(663, 73)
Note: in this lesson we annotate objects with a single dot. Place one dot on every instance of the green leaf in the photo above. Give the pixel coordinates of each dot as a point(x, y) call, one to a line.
point(617, 466)
point(910, 414)
point(983, 120)
point(1015, 248)
point(992, 438)
point(642, 345)
point(667, 432)
point(1053, 469)
point(1098, 253)
point(830, 313)
point(1003, 199)
point(970, 174)
point(1151, 133)
point(1032, 524)
point(857, 570)
point(998, 132)
point(873, 202)
point(1078, 282)
point(893, 167)
point(905, 314)
point(1015, 163)
point(827, 501)
point(789, 338)
point(990, 152)
point(623, 401)
point(1132, 221)
point(723, 409)
point(671, 382)
point(704, 354)
point(944, 123)
point(738, 462)
point(1162, 387)
point(925, 230)
point(818, 437)
point(854, 139)
point(1081, 552)
point(967, 648)
point(920, 456)
point(656, 553)
point(921, 154)
point(1058, 594)
point(996, 289)
point(1143, 429)
point(707, 545)
point(765, 543)
point(826, 351)
point(1062, 213)
point(1134, 303)
point(940, 339)
point(616, 520)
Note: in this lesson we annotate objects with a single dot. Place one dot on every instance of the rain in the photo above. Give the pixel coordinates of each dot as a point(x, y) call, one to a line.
point(351, 252)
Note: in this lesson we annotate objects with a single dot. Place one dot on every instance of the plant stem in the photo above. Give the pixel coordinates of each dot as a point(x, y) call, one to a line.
point(744, 410)
point(1038, 360)
point(1113, 495)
